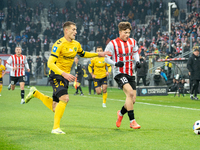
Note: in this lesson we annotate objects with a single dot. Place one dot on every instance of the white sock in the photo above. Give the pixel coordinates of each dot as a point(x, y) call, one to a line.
point(132, 120)
point(120, 113)
point(191, 95)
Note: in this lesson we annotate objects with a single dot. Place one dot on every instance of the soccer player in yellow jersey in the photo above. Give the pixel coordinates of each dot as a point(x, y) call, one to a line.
point(99, 74)
point(60, 62)
point(2, 73)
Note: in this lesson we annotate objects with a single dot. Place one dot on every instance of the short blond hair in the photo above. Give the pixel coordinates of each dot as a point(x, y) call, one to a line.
point(67, 24)
point(124, 25)
point(18, 47)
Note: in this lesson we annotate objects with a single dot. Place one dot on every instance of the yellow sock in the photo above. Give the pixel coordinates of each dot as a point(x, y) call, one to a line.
point(1, 86)
point(48, 101)
point(59, 111)
point(104, 97)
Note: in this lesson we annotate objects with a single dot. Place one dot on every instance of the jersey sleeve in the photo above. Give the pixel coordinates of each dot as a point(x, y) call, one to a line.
point(4, 68)
point(110, 48)
point(55, 52)
point(82, 53)
point(26, 63)
point(56, 48)
point(109, 68)
point(135, 53)
point(9, 62)
point(90, 66)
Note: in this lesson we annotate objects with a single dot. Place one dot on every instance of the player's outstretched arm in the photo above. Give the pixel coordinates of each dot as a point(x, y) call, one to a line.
point(89, 54)
point(104, 54)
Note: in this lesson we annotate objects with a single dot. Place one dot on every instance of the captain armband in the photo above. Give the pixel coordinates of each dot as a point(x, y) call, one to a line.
point(81, 54)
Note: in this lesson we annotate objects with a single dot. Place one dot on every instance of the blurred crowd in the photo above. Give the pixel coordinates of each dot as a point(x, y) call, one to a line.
point(97, 25)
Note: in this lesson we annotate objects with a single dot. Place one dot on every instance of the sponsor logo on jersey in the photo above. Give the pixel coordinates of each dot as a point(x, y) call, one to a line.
point(70, 50)
point(127, 54)
point(55, 49)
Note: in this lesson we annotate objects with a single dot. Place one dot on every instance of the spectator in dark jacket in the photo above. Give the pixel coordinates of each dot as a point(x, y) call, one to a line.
point(193, 66)
point(182, 15)
point(142, 71)
point(47, 32)
point(4, 39)
point(30, 61)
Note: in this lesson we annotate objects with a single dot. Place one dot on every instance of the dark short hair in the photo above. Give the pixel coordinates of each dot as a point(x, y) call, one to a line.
point(67, 24)
point(99, 47)
point(124, 26)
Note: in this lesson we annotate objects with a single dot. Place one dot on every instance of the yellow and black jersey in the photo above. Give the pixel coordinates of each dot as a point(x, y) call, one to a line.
point(2, 68)
point(99, 66)
point(63, 53)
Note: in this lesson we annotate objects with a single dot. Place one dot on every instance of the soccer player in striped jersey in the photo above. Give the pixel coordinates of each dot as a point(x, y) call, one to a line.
point(60, 62)
point(17, 64)
point(97, 68)
point(2, 73)
point(124, 50)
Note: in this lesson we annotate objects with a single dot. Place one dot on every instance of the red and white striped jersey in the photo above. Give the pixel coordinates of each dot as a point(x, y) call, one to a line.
point(125, 51)
point(19, 62)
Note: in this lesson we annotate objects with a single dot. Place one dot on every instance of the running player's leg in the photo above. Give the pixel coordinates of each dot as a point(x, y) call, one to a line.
point(130, 93)
point(13, 82)
point(1, 85)
point(104, 87)
point(97, 86)
point(47, 101)
point(22, 91)
point(59, 111)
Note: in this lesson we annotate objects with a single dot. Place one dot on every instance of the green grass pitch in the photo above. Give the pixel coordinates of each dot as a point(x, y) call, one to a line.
point(166, 123)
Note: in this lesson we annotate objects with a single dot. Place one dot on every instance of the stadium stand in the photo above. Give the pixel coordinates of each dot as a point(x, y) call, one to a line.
point(97, 25)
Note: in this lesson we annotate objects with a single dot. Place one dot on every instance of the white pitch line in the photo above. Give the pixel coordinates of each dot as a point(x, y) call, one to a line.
point(149, 103)
point(178, 107)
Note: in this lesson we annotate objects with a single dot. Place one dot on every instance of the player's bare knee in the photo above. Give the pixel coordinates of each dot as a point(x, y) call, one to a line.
point(130, 94)
point(105, 91)
point(134, 99)
point(98, 93)
point(66, 99)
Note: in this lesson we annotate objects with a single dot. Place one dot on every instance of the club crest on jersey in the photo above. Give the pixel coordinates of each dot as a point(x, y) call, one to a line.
point(75, 49)
point(55, 49)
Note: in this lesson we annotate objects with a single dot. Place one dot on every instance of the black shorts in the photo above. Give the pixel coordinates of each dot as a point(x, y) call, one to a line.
point(79, 79)
point(1, 81)
point(14, 80)
point(123, 79)
point(59, 85)
point(99, 82)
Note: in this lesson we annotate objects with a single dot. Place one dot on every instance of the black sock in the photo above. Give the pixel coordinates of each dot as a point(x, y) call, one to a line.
point(77, 90)
point(22, 94)
point(131, 115)
point(80, 89)
point(123, 110)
